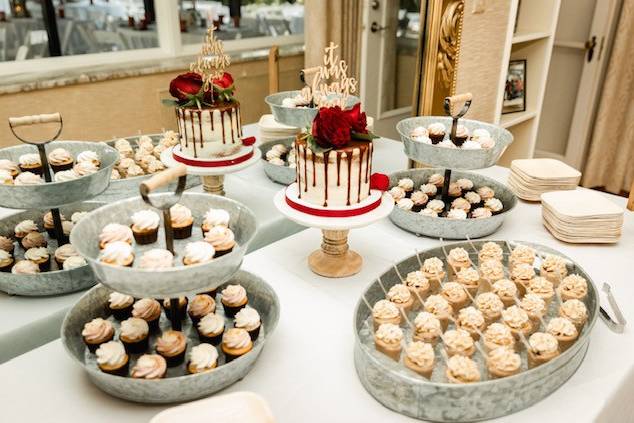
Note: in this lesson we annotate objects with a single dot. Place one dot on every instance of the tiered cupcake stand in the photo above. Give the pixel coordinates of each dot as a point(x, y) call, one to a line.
point(452, 163)
point(59, 197)
point(169, 283)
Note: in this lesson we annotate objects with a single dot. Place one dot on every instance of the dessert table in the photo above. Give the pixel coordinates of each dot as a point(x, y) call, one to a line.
point(308, 361)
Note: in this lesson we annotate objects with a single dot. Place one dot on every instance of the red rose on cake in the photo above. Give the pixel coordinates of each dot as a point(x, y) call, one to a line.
point(357, 119)
point(224, 82)
point(331, 127)
point(184, 85)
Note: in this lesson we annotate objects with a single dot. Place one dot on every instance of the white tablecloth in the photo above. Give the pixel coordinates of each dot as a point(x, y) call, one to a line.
point(306, 370)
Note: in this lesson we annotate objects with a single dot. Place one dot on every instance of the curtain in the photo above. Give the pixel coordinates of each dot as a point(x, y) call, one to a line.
point(610, 162)
point(338, 21)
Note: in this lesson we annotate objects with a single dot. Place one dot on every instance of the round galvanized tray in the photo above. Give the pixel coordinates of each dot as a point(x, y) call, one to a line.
point(281, 174)
point(177, 386)
point(299, 117)
point(120, 189)
point(55, 281)
point(454, 158)
point(440, 227)
point(179, 280)
point(398, 388)
point(55, 194)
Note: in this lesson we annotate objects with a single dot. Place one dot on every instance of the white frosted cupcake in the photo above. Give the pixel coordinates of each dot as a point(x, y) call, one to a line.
point(198, 252)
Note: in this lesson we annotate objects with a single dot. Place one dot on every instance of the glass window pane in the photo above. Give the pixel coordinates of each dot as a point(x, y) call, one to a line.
point(83, 26)
point(238, 19)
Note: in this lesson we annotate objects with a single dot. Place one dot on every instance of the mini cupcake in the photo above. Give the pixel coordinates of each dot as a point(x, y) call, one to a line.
point(215, 217)
point(456, 295)
point(115, 176)
point(5, 178)
point(490, 251)
point(485, 193)
point(97, 332)
point(458, 342)
point(85, 168)
point(407, 185)
point(461, 370)
point(120, 305)
point(67, 227)
point(49, 223)
point(65, 175)
point(522, 254)
point(456, 214)
point(30, 163)
point(506, 290)
point(397, 193)
point(472, 320)
point(498, 335)
point(145, 225)
point(427, 328)
point(419, 134)
point(470, 279)
point(494, 205)
point(25, 267)
point(428, 213)
point(39, 256)
point(429, 189)
point(517, 321)
point(401, 296)
point(503, 362)
point(419, 199)
point(405, 204)
point(454, 190)
point(434, 270)
point(473, 198)
point(436, 179)
point(134, 335)
point(182, 221)
point(89, 156)
point(458, 259)
point(23, 228)
point(439, 307)
point(541, 287)
point(6, 261)
point(462, 134)
point(149, 310)
point(112, 358)
point(233, 298)
point(126, 163)
point(543, 348)
point(200, 306)
point(33, 240)
point(222, 239)
point(385, 311)
point(198, 252)
point(554, 269)
point(113, 232)
point(117, 253)
point(171, 345)
point(249, 319)
point(491, 270)
point(202, 358)
point(28, 178)
point(149, 366)
point(211, 328)
point(388, 339)
point(73, 262)
point(419, 357)
point(522, 274)
point(465, 184)
point(573, 287)
point(60, 159)
point(535, 307)
point(564, 330)
point(10, 167)
point(462, 204)
point(155, 166)
point(418, 285)
point(236, 342)
point(123, 147)
point(490, 305)
point(156, 259)
point(437, 206)
point(7, 244)
point(436, 132)
point(182, 307)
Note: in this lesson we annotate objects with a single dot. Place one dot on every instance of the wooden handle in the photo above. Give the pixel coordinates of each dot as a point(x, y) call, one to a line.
point(34, 119)
point(163, 178)
point(274, 69)
point(460, 98)
point(630, 201)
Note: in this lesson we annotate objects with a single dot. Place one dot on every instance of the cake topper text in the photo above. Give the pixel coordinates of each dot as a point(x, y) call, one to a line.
point(331, 85)
point(211, 61)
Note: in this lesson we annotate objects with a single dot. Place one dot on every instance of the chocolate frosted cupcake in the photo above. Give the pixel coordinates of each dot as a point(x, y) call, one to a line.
point(210, 328)
point(215, 217)
point(145, 225)
point(149, 366)
point(249, 319)
point(200, 306)
point(120, 305)
point(39, 256)
point(63, 253)
point(6, 261)
point(233, 298)
point(182, 221)
point(202, 358)
point(182, 307)
point(60, 159)
point(25, 267)
point(112, 358)
point(198, 252)
point(114, 232)
point(134, 335)
point(171, 345)
point(149, 310)
point(156, 259)
point(30, 163)
point(23, 228)
point(419, 357)
point(7, 244)
point(117, 253)
point(97, 332)
point(236, 342)
point(436, 132)
point(222, 239)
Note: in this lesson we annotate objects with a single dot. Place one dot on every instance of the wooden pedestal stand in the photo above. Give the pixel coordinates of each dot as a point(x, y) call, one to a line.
point(335, 259)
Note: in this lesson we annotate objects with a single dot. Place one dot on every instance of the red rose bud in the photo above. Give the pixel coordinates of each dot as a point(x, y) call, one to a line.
point(186, 84)
point(379, 181)
point(357, 119)
point(248, 141)
point(331, 127)
point(224, 82)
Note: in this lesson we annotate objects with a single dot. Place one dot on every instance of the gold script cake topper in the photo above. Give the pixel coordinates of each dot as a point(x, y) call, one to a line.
point(211, 61)
point(330, 85)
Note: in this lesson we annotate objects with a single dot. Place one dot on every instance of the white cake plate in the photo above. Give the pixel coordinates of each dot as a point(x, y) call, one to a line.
point(213, 177)
point(334, 259)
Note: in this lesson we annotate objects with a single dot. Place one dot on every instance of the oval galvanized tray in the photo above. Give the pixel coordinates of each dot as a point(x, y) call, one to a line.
point(120, 189)
point(281, 174)
point(440, 227)
point(56, 194)
point(179, 280)
point(295, 116)
point(54, 282)
point(177, 386)
point(454, 158)
point(405, 392)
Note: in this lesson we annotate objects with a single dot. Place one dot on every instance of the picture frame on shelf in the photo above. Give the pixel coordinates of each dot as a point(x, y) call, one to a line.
point(515, 88)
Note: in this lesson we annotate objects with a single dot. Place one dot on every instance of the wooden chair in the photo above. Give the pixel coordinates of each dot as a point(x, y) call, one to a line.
point(630, 201)
point(274, 69)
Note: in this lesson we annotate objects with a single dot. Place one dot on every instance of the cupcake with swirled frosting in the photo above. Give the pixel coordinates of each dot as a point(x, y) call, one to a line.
point(85, 168)
point(117, 253)
point(33, 240)
point(89, 156)
point(436, 179)
point(25, 267)
point(6, 261)
point(233, 298)
point(222, 239)
point(462, 133)
point(120, 305)
point(97, 332)
point(39, 256)
point(200, 306)
point(171, 345)
point(5, 177)
point(211, 328)
point(156, 259)
point(49, 223)
point(7, 244)
point(149, 366)
point(235, 343)
point(249, 319)
point(30, 162)
point(66, 175)
point(74, 262)
point(63, 253)
point(134, 335)
point(60, 159)
point(202, 358)
point(149, 310)
point(145, 225)
point(23, 228)
point(113, 232)
point(436, 132)
point(215, 217)
point(112, 358)
point(182, 221)
point(198, 252)
point(28, 178)
point(10, 167)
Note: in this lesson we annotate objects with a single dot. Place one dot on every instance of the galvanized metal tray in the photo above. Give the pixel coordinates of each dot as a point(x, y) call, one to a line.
point(177, 386)
point(454, 158)
point(440, 227)
point(55, 194)
point(281, 174)
point(55, 281)
point(179, 280)
point(398, 388)
point(299, 117)
point(120, 189)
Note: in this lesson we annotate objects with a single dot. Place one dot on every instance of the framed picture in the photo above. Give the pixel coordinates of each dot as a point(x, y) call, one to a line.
point(515, 87)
